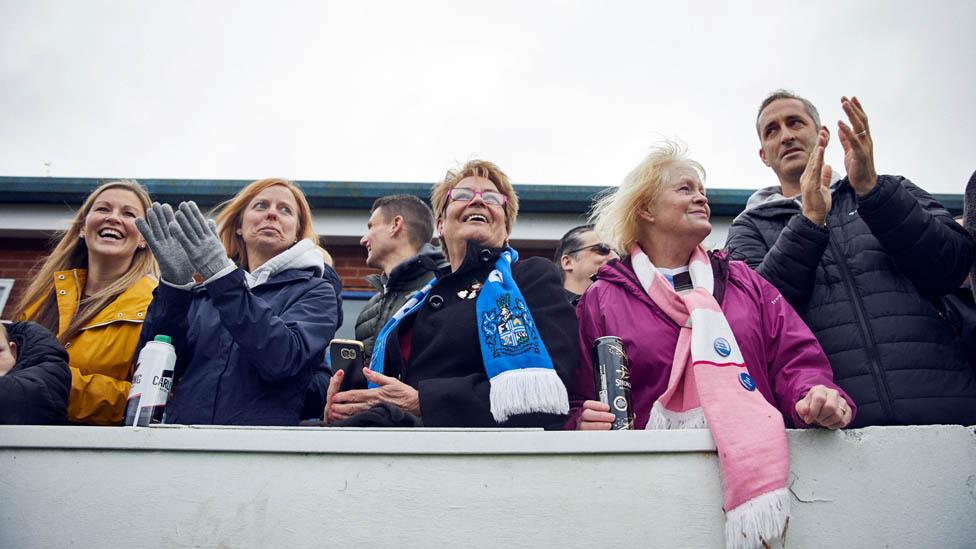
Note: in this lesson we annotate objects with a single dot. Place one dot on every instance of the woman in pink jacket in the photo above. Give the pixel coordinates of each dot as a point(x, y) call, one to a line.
point(725, 329)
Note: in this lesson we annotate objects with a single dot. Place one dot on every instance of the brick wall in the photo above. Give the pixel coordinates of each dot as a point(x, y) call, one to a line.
point(350, 263)
point(19, 255)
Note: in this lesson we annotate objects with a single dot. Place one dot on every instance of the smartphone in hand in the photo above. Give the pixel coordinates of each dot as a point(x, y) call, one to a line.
point(348, 355)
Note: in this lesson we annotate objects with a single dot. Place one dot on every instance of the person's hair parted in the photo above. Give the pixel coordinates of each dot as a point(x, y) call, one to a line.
point(71, 252)
point(230, 215)
point(417, 216)
point(476, 168)
point(570, 241)
point(787, 94)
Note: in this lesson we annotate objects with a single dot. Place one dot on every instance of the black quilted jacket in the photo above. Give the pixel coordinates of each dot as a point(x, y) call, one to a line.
point(35, 391)
point(869, 286)
point(405, 279)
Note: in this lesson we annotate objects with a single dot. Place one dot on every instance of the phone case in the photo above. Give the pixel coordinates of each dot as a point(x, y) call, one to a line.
point(347, 355)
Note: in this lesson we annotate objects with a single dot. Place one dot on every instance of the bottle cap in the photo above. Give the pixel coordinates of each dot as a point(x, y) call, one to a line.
point(163, 338)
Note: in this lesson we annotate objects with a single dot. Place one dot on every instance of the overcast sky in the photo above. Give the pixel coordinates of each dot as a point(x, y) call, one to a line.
point(554, 92)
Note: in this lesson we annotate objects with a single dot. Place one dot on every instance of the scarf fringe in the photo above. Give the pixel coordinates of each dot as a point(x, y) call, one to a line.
point(662, 418)
point(527, 390)
point(758, 521)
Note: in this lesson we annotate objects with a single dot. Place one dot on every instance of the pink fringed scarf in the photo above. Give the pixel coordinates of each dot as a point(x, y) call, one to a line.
point(710, 388)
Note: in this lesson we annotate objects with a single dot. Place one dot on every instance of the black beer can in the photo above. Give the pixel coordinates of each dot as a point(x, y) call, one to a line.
point(611, 376)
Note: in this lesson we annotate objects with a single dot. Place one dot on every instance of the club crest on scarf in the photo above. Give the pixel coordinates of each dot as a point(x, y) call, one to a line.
point(508, 329)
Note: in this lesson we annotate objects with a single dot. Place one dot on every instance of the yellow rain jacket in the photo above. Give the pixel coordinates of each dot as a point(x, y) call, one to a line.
point(102, 354)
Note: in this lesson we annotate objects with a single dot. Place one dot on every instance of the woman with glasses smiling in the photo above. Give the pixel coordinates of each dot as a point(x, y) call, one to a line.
point(491, 340)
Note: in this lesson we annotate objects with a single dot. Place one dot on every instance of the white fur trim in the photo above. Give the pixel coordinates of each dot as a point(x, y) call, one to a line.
point(300, 256)
point(527, 390)
point(662, 418)
point(761, 519)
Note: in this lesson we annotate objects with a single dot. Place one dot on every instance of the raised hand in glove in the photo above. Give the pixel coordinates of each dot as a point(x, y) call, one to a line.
point(174, 265)
point(199, 240)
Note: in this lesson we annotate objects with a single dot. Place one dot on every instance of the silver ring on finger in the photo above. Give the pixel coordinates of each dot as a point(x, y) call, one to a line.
point(862, 133)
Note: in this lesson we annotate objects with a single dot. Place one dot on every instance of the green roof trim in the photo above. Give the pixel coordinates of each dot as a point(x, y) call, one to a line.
point(347, 195)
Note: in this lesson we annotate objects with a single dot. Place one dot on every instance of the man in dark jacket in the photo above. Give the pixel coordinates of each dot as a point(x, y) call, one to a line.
point(579, 255)
point(34, 376)
point(397, 242)
point(865, 261)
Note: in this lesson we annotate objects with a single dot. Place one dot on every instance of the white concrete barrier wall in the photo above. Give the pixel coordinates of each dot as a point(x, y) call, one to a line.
point(223, 487)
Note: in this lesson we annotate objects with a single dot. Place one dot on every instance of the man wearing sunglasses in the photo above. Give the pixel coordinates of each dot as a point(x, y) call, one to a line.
point(579, 255)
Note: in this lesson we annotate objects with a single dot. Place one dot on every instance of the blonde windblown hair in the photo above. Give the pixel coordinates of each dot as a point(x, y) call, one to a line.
point(232, 212)
point(616, 213)
point(71, 252)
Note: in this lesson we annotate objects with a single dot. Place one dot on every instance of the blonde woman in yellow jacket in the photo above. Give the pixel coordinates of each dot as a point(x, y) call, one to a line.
point(92, 292)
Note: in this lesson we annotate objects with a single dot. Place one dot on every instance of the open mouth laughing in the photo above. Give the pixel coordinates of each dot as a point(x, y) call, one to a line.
point(475, 217)
point(111, 234)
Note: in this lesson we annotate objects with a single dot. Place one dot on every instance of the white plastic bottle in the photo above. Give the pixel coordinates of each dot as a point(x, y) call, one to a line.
point(151, 383)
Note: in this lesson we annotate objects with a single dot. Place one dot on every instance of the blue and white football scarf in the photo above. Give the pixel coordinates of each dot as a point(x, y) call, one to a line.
point(412, 305)
point(523, 379)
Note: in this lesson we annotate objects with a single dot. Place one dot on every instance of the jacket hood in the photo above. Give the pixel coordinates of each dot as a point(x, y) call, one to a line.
point(771, 201)
point(430, 258)
point(303, 255)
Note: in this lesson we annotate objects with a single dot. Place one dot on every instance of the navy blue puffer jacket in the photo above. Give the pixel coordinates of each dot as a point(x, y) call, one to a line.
point(244, 355)
point(869, 287)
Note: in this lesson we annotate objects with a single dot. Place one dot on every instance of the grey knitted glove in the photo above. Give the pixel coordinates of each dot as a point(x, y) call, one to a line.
point(199, 240)
point(174, 265)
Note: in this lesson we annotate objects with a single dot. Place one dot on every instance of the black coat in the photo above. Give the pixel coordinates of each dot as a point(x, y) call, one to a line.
point(869, 286)
point(960, 308)
point(445, 363)
point(35, 391)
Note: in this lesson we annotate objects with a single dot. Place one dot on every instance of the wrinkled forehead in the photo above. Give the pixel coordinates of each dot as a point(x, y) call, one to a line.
point(587, 238)
point(476, 183)
point(681, 172)
point(782, 108)
point(278, 193)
